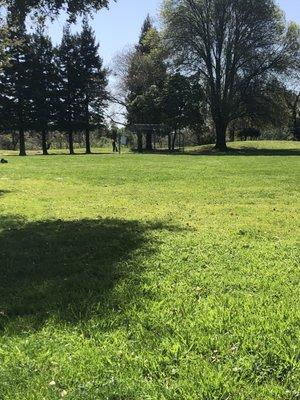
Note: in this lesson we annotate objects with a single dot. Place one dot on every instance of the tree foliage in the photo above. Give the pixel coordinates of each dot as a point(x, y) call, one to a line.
point(52, 7)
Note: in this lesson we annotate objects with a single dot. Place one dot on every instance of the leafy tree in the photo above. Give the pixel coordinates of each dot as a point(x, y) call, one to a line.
point(181, 105)
point(92, 82)
point(264, 104)
point(272, 103)
point(230, 43)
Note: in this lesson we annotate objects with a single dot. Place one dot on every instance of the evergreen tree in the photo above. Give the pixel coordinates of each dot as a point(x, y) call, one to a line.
point(15, 93)
point(92, 81)
point(43, 83)
point(143, 47)
point(68, 63)
point(145, 80)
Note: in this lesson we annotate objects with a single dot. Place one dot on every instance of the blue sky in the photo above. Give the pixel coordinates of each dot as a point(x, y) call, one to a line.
point(120, 26)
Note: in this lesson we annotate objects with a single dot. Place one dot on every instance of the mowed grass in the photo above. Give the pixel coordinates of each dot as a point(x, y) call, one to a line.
point(142, 277)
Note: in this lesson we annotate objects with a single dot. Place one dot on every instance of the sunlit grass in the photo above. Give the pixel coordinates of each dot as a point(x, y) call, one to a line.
point(151, 276)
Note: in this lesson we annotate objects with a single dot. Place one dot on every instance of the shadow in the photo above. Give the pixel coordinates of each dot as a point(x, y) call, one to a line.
point(78, 154)
point(249, 151)
point(52, 154)
point(210, 151)
point(4, 192)
point(68, 270)
point(243, 151)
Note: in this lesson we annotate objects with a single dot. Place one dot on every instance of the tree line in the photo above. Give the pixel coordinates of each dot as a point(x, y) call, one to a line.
point(227, 66)
point(46, 88)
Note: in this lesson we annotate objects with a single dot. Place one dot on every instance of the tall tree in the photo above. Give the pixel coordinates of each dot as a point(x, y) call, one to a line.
point(43, 78)
point(144, 81)
point(230, 43)
point(15, 96)
point(68, 64)
point(92, 81)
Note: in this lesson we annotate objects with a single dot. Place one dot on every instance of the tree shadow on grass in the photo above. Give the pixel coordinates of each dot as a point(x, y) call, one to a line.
point(242, 151)
point(245, 151)
point(68, 270)
point(4, 192)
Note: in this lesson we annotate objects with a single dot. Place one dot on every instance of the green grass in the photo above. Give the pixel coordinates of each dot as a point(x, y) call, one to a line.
point(141, 277)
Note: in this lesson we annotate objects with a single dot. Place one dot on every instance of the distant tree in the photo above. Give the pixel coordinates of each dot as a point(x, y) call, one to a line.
point(14, 82)
point(143, 81)
point(230, 43)
point(70, 107)
point(181, 105)
point(272, 102)
point(292, 99)
point(43, 81)
point(92, 83)
point(264, 105)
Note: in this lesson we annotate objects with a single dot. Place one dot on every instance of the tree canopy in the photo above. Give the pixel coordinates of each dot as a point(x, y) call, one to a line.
point(73, 7)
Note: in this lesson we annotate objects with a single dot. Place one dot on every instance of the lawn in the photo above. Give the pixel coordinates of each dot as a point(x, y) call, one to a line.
point(151, 277)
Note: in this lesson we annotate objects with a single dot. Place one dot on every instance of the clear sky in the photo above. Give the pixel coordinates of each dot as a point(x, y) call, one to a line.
point(120, 26)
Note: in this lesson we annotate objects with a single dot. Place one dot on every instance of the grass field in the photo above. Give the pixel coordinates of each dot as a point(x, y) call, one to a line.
point(151, 277)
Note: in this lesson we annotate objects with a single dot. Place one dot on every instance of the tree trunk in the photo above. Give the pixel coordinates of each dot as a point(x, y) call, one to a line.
point(87, 141)
point(87, 128)
point(174, 141)
point(221, 129)
point(199, 137)
point(295, 119)
point(232, 135)
point(149, 146)
point(169, 142)
point(15, 140)
point(44, 142)
point(140, 142)
point(22, 142)
point(71, 142)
